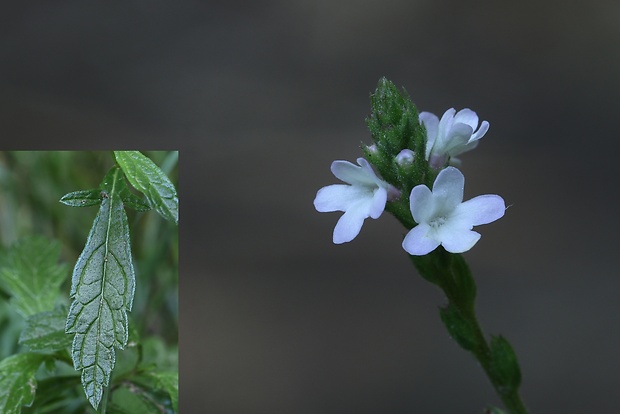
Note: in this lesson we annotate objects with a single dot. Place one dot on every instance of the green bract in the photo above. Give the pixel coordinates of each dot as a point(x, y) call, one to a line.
point(149, 179)
point(394, 126)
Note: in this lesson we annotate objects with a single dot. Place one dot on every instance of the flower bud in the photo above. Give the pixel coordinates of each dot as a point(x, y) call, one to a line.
point(405, 157)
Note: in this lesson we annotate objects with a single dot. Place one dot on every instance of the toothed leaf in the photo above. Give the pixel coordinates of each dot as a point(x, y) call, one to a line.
point(102, 289)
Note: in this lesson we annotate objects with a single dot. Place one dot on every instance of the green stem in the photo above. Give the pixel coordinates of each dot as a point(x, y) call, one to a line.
point(104, 400)
point(509, 396)
point(451, 273)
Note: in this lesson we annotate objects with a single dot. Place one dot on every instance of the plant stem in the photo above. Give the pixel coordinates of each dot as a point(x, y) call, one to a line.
point(104, 400)
point(510, 397)
point(451, 273)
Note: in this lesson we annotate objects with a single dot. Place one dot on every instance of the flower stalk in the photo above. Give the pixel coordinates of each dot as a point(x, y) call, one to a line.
point(412, 153)
point(450, 273)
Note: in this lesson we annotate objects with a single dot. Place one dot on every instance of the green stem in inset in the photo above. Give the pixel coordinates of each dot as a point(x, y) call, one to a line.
point(104, 400)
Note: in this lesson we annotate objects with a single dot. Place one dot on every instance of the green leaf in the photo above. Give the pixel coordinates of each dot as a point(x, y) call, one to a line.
point(148, 178)
point(17, 381)
point(135, 398)
point(461, 328)
point(82, 198)
point(55, 395)
point(87, 198)
point(169, 382)
point(45, 332)
point(134, 202)
point(102, 290)
point(33, 276)
point(504, 365)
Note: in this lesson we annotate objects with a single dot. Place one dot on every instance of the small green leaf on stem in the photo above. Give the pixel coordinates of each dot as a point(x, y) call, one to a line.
point(504, 365)
point(82, 198)
point(149, 179)
point(461, 281)
point(461, 328)
point(17, 381)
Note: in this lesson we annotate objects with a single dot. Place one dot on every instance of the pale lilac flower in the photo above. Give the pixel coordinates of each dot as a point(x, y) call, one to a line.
point(443, 218)
point(455, 134)
point(364, 197)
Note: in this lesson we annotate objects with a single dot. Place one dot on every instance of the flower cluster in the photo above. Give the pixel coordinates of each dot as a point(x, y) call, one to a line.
point(441, 216)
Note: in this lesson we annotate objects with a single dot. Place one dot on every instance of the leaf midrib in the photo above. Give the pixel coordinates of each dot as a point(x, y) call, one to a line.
point(111, 197)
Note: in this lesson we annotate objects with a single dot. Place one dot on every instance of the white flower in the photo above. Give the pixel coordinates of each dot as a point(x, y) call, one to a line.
point(445, 219)
point(364, 197)
point(453, 135)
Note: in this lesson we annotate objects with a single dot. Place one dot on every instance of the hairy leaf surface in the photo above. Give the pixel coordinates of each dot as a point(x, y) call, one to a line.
point(102, 290)
point(45, 332)
point(148, 178)
point(17, 381)
point(32, 275)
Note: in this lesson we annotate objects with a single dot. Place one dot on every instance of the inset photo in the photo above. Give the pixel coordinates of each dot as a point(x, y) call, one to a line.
point(89, 282)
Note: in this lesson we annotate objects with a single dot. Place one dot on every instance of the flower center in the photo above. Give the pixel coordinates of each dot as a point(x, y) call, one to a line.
point(437, 222)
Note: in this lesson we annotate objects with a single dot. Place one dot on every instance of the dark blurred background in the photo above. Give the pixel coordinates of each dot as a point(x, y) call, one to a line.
point(260, 97)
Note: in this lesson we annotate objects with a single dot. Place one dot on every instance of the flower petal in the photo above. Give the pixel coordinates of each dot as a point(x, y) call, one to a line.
point(339, 197)
point(483, 209)
point(421, 204)
point(349, 225)
point(431, 123)
point(467, 116)
point(484, 127)
point(467, 147)
point(417, 243)
point(448, 190)
point(369, 173)
point(377, 205)
point(445, 123)
point(352, 174)
point(460, 241)
point(458, 136)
